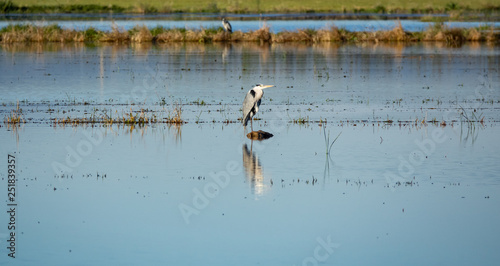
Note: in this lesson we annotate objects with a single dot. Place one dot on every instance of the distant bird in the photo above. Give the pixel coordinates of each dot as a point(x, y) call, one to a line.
point(227, 25)
point(252, 102)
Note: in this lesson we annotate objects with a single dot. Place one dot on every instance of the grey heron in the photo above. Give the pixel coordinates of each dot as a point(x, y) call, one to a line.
point(227, 25)
point(252, 102)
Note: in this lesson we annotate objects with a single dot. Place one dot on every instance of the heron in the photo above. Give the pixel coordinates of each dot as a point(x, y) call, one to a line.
point(252, 102)
point(226, 25)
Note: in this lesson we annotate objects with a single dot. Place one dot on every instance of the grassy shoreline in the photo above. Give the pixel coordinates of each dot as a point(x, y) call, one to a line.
point(30, 33)
point(464, 8)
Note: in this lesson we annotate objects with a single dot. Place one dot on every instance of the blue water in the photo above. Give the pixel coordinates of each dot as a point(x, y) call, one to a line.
point(203, 194)
point(275, 25)
point(157, 205)
point(355, 82)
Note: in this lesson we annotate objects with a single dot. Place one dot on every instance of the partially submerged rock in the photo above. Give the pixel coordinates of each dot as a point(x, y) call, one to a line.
point(259, 135)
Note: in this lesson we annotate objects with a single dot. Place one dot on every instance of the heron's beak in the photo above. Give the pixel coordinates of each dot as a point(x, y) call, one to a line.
point(267, 86)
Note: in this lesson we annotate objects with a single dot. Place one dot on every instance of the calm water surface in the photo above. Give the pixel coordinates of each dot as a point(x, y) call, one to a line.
point(400, 193)
point(249, 25)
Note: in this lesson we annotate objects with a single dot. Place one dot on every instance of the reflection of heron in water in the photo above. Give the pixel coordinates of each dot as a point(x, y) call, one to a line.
point(253, 170)
point(226, 51)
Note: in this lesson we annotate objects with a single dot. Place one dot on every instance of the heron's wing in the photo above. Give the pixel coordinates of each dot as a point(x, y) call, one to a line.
point(248, 105)
point(229, 28)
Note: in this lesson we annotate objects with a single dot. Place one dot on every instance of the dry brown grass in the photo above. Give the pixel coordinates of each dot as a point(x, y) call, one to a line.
point(473, 35)
point(453, 36)
point(262, 35)
point(170, 36)
point(492, 36)
point(330, 35)
point(237, 36)
point(222, 36)
point(175, 117)
point(302, 35)
point(141, 34)
point(33, 33)
point(116, 35)
point(195, 36)
point(396, 34)
point(16, 116)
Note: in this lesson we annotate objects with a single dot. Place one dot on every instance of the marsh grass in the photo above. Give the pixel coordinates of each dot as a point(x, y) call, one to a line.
point(262, 35)
point(108, 117)
point(301, 120)
point(116, 35)
point(169, 35)
point(175, 116)
point(138, 118)
point(301, 35)
point(141, 34)
point(16, 116)
point(105, 117)
point(456, 36)
point(32, 33)
point(92, 35)
point(439, 32)
point(471, 119)
point(199, 102)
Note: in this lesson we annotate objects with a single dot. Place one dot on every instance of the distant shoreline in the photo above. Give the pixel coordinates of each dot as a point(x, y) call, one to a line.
point(451, 10)
point(32, 33)
point(477, 17)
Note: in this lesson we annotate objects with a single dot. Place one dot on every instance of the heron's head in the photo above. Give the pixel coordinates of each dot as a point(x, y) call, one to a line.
point(261, 86)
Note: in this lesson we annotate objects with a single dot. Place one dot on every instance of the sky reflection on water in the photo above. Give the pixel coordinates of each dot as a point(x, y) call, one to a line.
point(400, 193)
point(275, 25)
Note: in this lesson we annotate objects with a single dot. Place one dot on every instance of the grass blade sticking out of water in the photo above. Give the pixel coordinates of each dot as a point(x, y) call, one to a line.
point(16, 116)
point(329, 145)
point(471, 121)
point(176, 116)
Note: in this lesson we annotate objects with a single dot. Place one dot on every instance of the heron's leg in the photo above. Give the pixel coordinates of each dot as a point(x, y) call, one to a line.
point(251, 124)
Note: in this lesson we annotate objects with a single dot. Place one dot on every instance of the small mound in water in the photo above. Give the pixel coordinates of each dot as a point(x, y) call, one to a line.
point(259, 135)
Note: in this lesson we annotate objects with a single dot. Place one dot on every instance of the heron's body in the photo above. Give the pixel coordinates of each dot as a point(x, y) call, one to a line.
point(227, 25)
point(252, 102)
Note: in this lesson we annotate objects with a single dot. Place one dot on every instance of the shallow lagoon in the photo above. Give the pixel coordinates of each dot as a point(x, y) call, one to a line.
point(407, 192)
